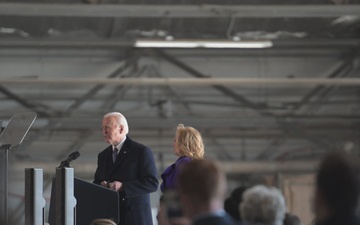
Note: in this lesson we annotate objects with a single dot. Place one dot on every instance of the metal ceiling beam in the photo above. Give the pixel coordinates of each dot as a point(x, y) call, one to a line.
point(176, 11)
point(188, 81)
point(322, 92)
point(202, 120)
point(58, 122)
point(118, 94)
point(225, 90)
point(294, 129)
point(345, 66)
point(172, 91)
point(316, 45)
point(125, 65)
point(221, 153)
point(40, 109)
point(321, 142)
point(150, 135)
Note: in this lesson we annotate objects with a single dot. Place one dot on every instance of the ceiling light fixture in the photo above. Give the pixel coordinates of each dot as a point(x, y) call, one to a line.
point(147, 43)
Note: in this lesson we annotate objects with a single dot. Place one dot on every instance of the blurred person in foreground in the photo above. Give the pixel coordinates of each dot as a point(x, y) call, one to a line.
point(291, 219)
point(127, 167)
point(231, 204)
point(188, 145)
point(101, 221)
point(263, 205)
point(201, 187)
point(337, 190)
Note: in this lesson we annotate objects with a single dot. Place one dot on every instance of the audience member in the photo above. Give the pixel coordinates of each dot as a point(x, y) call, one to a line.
point(164, 218)
point(291, 219)
point(337, 190)
point(188, 145)
point(103, 222)
point(265, 205)
point(231, 204)
point(201, 186)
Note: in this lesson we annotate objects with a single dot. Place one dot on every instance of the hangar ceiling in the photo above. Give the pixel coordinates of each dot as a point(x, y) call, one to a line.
point(71, 62)
point(257, 109)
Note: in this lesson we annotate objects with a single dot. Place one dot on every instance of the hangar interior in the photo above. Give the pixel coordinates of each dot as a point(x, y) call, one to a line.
point(270, 111)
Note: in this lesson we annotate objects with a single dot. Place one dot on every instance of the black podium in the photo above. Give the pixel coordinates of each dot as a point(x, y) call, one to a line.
point(92, 202)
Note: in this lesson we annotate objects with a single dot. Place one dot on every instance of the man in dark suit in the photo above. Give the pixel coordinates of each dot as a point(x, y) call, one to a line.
point(128, 167)
point(201, 186)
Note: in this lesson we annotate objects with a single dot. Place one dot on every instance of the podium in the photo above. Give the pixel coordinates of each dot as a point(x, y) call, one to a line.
point(93, 202)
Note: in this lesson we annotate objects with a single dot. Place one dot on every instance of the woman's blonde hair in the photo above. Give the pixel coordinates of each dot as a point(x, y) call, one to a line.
point(188, 142)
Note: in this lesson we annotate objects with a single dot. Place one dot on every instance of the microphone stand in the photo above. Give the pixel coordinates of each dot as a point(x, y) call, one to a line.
point(64, 163)
point(72, 157)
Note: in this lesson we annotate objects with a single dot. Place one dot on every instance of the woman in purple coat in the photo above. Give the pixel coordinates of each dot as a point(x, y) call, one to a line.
point(188, 145)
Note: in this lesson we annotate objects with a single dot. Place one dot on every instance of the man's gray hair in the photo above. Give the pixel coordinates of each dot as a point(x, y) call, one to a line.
point(264, 205)
point(121, 119)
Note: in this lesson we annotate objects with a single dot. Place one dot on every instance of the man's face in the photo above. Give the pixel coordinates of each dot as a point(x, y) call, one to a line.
point(113, 132)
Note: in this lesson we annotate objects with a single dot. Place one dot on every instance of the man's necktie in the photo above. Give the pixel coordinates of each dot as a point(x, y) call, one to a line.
point(114, 155)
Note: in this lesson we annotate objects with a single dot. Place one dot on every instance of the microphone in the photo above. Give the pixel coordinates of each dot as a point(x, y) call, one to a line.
point(71, 157)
